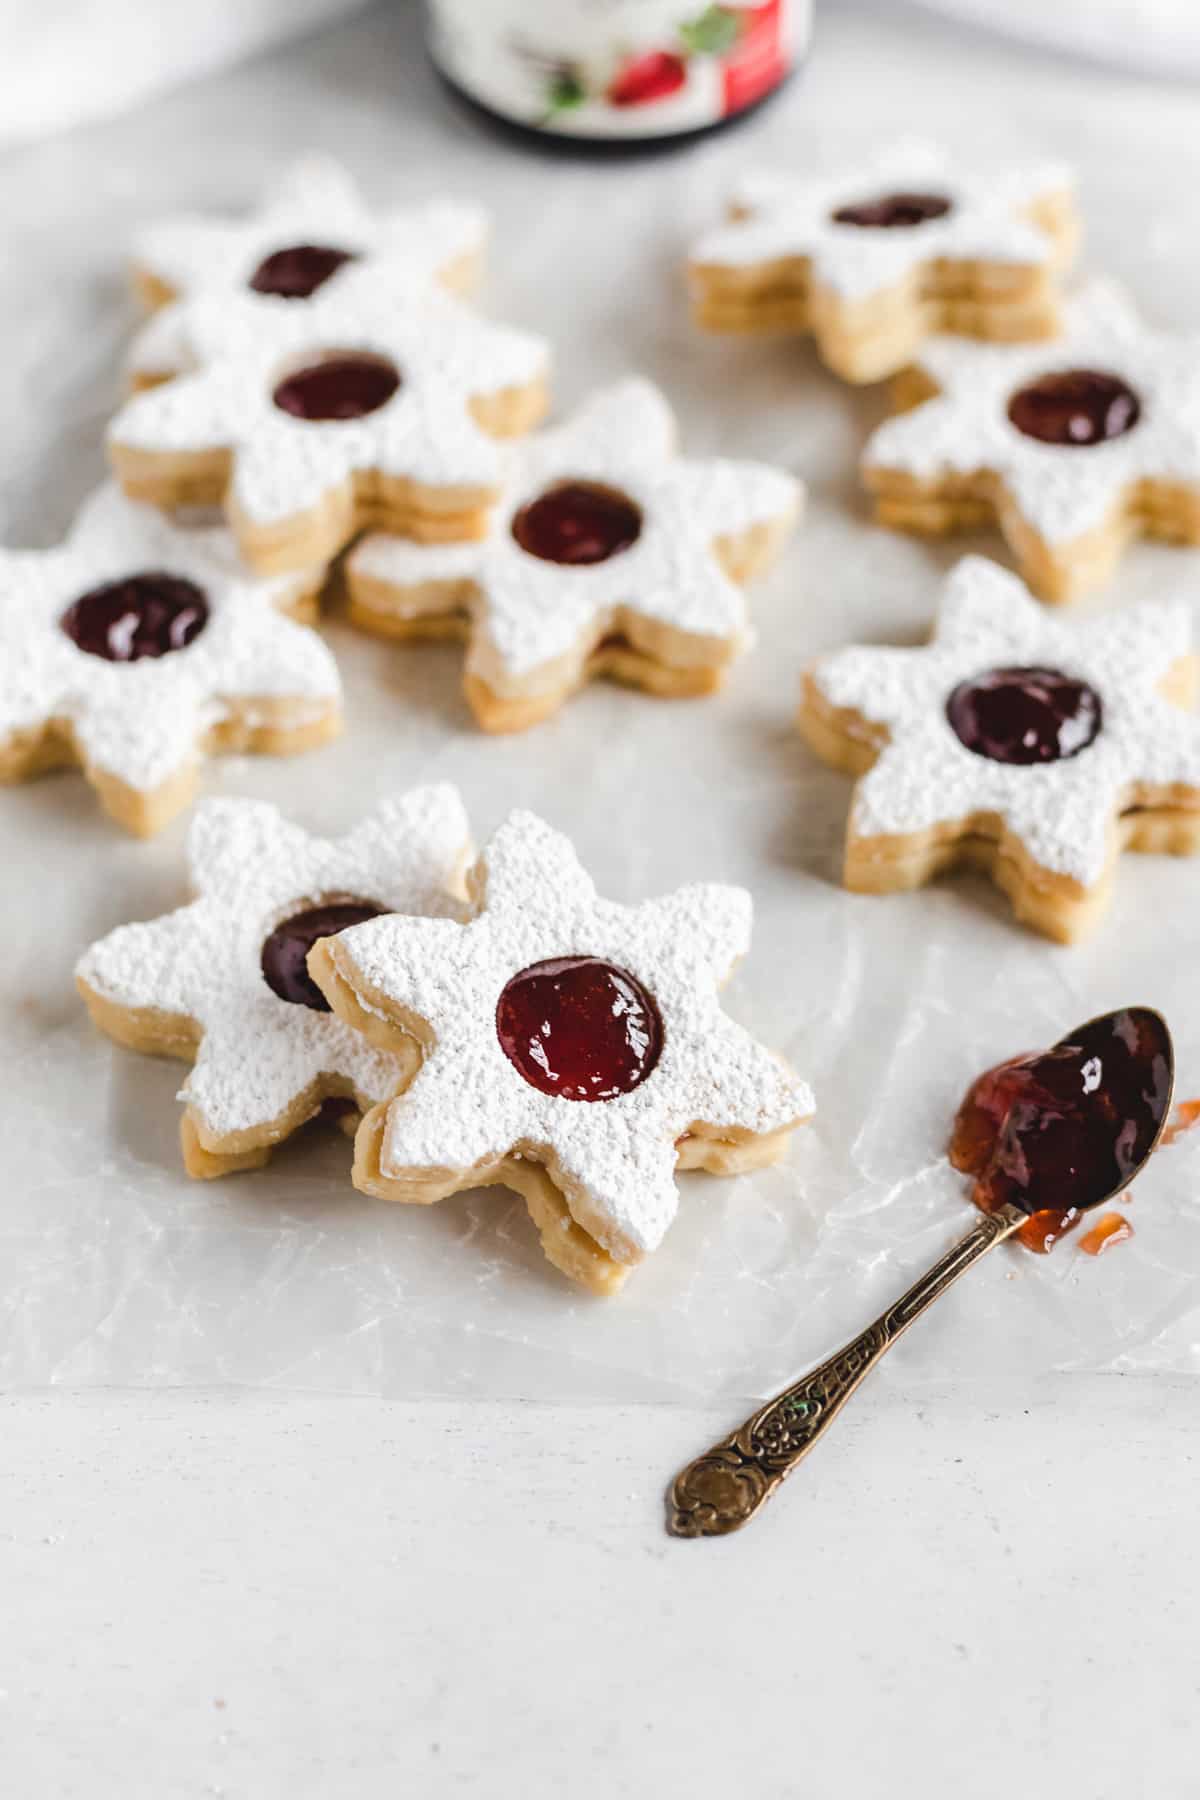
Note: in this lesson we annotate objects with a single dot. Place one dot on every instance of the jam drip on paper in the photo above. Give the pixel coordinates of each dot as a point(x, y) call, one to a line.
point(579, 1028)
point(577, 522)
point(1075, 406)
point(285, 953)
point(891, 212)
point(346, 386)
point(149, 614)
point(298, 270)
point(1025, 715)
point(1056, 1133)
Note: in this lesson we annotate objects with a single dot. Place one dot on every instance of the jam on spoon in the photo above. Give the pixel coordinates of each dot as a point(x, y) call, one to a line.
point(1058, 1132)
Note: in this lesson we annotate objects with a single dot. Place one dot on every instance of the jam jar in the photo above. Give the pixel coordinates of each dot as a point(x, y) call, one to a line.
point(634, 73)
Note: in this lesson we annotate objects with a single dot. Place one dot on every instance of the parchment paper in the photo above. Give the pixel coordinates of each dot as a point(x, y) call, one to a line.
point(114, 1269)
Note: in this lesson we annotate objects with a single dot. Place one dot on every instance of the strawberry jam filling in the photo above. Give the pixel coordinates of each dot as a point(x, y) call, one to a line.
point(298, 270)
point(1056, 1133)
point(142, 615)
point(891, 212)
point(1075, 407)
point(285, 953)
point(1025, 715)
point(577, 522)
point(348, 385)
point(579, 1028)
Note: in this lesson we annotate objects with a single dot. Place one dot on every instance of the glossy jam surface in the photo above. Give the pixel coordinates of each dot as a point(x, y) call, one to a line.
point(298, 270)
point(1058, 1132)
point(1025, 715)
point(579, 1028)
point(1112, 1229)
point(285, 952)
point(149, 614)
point(338, 387)
point(889, 212)
point(577, 522)
point(1075, 406)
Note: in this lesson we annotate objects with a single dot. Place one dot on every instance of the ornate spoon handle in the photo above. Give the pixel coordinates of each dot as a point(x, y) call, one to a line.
point(726, 1486)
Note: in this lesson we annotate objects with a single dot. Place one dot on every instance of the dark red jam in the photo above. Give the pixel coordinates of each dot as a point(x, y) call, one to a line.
point(142, 615)
point(298, 270)
point(579, 1028)
point(578, 522)
point(345, 386)
point(889, 212)
point(1025, 715)
point(1058, 1132)
point(1075, 406)
point(285, 953)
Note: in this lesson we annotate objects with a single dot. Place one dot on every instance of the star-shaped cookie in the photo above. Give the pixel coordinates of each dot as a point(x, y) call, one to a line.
point(310, 236)
point(608, 554)
point(223, 981)
point(138, 644)
point(1031, 748)
point(310, 226)
point(575, 1049)
point(313, 422)
point(872, 259)
point(1072, 448)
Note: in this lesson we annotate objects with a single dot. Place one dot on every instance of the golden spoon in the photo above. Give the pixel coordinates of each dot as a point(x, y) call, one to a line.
point(728, 1485)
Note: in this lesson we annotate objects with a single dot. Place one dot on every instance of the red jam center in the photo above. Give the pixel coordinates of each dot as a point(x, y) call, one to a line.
point(579, 1028)
point(1057, 1133)
point(578, 522)
point(342, 386)
point(1075, 407)
point(285, 953)
point(1025, 715)
point(891, 211)
point(298, 270)
point(150, 614)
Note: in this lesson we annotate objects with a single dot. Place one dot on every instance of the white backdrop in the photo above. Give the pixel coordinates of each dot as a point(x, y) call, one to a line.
point(63, 62)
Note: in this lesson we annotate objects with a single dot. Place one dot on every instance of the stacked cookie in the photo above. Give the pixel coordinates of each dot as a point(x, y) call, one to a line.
point(1012, 743)
point(474, 1023)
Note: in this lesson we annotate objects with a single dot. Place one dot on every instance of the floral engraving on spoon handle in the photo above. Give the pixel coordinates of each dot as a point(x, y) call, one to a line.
point(726, 1486)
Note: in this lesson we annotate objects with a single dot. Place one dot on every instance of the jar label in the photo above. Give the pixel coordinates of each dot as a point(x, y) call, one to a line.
point(618, 68)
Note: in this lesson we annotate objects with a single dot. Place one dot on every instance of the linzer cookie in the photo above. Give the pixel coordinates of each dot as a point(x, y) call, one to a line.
point(309, 233)
point(608, 555)
point(223, 980)
point(575, 1050)
point(308, 227)
point(1072, 448)
point(137, 645)
point(872, 260)
point(1032, 749)
point(313, 422)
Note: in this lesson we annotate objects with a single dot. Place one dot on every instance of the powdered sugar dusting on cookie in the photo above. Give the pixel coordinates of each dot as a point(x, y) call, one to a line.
point(445, 357)
point(251, 869)
point(527, 612)
point(469, 1105)
point(1062, 811)
point(141, 721)
point(315, 202)
point(792, 216)
point(1061, 490)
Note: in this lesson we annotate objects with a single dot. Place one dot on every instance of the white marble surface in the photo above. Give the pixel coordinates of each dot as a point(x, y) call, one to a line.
point(457, 1542)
